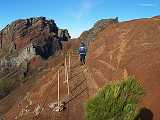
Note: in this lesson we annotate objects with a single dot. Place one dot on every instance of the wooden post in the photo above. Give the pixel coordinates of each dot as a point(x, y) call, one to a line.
point(67, 81)
point(68, 70)
point(58, 89)
point(69, 63)
point(65, 67)
point(66, 73)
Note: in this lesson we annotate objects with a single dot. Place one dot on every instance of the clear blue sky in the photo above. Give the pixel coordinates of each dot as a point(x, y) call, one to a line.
point(77, 15)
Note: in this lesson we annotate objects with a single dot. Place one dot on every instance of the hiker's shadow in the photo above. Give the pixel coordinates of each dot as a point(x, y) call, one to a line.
point(145, 114)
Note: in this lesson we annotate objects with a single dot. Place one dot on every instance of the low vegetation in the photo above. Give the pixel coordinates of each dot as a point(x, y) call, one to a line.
point(4, 87)
point(116, 101)
point(6, 83)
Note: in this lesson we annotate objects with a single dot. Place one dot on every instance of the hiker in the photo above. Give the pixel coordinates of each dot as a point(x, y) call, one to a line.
point(82, 52)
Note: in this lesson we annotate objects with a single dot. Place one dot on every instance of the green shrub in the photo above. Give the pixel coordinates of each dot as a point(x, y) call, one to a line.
point(3, 88)
point(116, 101)
point(6, 83)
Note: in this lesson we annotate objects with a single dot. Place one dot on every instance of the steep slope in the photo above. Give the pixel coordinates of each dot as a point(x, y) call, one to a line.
point(34, 100)
point(18, 93)
point(128, 48)
point(119, 50)
point(25, 44)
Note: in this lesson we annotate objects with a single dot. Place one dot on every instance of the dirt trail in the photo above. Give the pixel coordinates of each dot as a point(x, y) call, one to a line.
point(78, 95)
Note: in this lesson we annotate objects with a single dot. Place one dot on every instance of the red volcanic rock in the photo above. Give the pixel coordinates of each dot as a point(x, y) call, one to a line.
point(128, 48)
point(24, 39)
point(22, 32)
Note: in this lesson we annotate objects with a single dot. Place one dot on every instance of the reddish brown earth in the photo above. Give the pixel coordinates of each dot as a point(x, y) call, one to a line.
point(131, 48)
point(41, 89)
point(127, 48)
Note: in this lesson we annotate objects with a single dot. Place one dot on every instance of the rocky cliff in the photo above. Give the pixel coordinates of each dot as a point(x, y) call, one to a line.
point(20, 33)
point(99, 26)
point(28, 37)
point(23, 40)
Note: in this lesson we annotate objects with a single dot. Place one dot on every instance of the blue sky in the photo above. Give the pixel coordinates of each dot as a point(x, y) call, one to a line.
point(77, 15)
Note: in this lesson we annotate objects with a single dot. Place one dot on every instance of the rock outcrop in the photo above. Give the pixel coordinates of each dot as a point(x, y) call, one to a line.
point(20, 33)
point(24, 39)
point(99, 26)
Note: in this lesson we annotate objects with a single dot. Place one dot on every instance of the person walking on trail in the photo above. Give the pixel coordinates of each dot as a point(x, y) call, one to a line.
point(82, 52)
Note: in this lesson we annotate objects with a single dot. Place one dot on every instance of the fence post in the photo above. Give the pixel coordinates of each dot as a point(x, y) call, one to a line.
point(68, 71)
point(69, 63)
point(65, 68)
point(67, 82)
point(58, 89)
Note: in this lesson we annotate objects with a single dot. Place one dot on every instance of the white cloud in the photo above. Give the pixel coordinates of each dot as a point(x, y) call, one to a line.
point(85, 8)
point(147, 5)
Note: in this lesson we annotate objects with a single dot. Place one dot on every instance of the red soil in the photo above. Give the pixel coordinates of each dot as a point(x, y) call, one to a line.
point(132, 47)
point(124, 48)
point(42, 91)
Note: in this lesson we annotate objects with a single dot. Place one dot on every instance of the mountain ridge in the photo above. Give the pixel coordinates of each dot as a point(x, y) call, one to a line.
point(118, 50)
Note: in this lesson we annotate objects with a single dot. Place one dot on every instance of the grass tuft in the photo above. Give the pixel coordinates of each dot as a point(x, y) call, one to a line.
point(117, 101)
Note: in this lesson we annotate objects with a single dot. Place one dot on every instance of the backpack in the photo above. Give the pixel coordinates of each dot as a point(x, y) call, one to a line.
point(82, 50)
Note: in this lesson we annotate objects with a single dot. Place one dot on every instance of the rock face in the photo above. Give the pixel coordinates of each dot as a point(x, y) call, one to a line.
point(20, 33)
point(128, 48)
point(23, 39)
point(99, 26)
